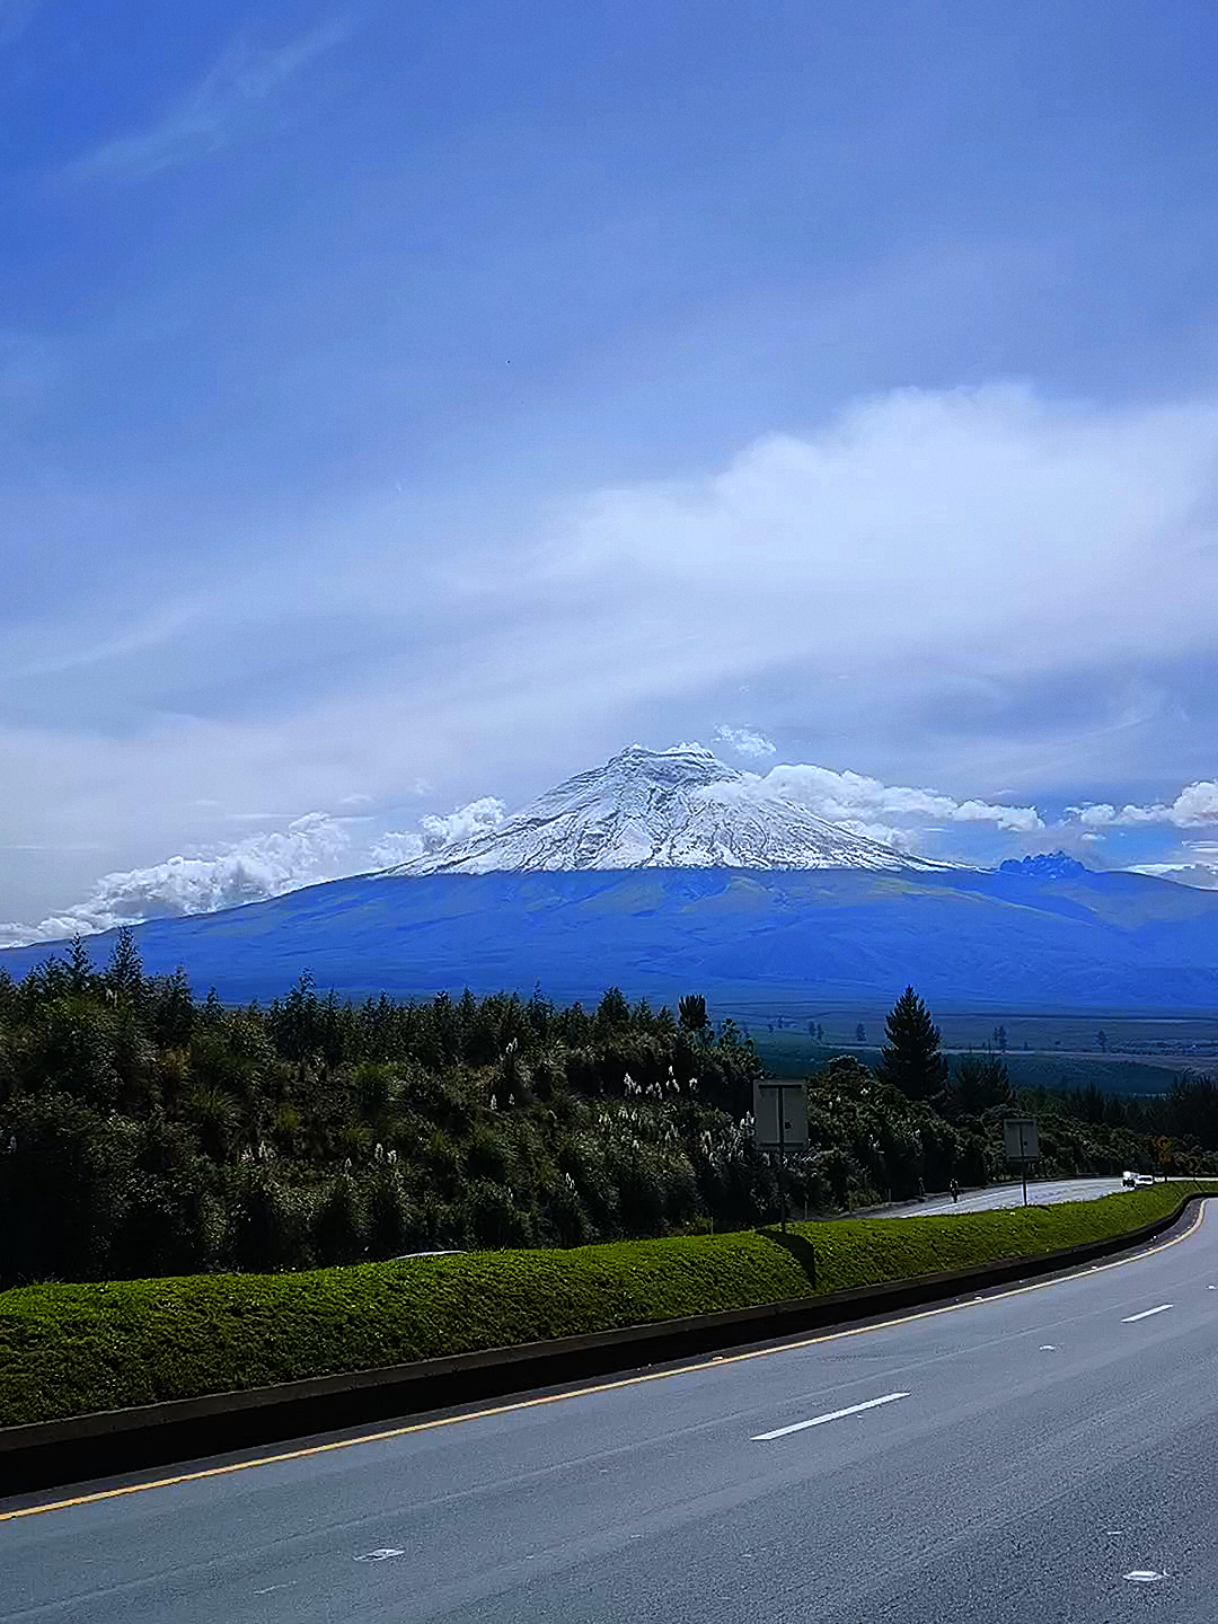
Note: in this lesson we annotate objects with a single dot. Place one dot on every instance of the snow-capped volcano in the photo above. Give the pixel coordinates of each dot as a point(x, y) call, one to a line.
point(678, 808)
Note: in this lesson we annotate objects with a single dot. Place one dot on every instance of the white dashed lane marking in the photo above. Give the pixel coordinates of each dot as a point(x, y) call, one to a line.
point(831, 1415)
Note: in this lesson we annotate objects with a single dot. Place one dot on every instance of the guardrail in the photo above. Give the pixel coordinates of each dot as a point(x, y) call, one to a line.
point(48, 1453)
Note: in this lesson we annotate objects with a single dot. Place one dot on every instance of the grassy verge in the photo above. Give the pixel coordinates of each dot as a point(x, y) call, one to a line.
point(68, 1349)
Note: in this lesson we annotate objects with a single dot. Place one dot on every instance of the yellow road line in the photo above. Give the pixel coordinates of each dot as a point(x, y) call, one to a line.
point(637, 1380)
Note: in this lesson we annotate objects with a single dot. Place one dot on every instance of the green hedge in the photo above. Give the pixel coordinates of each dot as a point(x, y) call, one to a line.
point(69, 1349)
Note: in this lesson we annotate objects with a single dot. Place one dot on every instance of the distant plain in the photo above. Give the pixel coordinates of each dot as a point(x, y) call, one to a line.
point(1143, 1054)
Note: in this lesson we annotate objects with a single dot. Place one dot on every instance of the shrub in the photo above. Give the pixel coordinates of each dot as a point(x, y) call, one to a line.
point(490, 1217)
point(389, 1217)
point(270, 1228)
point(340, 1224)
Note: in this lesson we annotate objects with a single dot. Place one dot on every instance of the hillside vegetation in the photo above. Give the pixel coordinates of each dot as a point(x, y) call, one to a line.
point(145, 1133)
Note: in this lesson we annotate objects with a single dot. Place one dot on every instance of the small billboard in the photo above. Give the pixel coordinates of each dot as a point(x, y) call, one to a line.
point(771, 1096)
point(1020, 1139)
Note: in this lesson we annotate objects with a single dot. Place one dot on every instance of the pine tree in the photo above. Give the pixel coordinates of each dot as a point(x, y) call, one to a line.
point(80, 966)
point(174, 1015)
point(613, 1012)
point(911, 1060)
point(539, 1012)
point(125, 971)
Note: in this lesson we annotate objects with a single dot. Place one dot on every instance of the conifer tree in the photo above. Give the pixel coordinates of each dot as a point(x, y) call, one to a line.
point(125, 971)
point(80, 966)
point(911, 1060)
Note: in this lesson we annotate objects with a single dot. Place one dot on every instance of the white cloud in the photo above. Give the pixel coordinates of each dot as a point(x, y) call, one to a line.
point(475, 818)
point(438, 829)
point(204, 120)
point(312, 848)
point(1195, 807)
point(746, 741)
point(1002, 531)
point(946, 583)
point(1193, 862)
point(396, 846)
point(866, 804)
point(1093, 814)
point(1201, 876)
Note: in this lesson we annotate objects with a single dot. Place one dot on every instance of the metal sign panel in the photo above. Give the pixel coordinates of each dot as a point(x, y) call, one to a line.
point(1020, 1139)
point(768, 1097)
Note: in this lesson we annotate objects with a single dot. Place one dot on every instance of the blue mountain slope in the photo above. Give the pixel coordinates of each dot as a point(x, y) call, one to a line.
point(966, 939)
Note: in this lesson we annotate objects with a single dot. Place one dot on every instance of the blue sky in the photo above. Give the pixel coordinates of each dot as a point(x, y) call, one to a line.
point(401, 406)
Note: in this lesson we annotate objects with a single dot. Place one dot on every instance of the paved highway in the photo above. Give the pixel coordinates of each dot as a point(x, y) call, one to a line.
point(1043, 1454)
point(1041, 1191)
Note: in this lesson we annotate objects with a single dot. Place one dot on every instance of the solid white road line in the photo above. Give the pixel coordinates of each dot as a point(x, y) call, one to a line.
point(833, 1415)
point(1146, 1313)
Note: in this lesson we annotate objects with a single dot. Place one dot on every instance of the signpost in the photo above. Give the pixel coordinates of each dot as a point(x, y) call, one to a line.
point(1021, 1143)
point(780, 1123)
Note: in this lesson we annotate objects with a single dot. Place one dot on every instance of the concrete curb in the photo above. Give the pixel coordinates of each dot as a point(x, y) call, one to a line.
point(45, 1453)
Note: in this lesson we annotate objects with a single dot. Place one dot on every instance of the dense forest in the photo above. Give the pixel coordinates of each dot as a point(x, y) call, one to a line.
point(145, 1132)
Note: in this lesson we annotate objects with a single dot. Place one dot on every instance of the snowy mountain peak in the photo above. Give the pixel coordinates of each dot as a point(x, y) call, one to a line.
point(675, 808)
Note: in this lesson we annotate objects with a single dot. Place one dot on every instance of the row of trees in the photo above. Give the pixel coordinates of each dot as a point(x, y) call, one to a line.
point(912, 1061)
point(143, 1131)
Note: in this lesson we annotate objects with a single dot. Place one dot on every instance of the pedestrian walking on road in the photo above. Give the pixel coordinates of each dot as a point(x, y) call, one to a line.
point(955, 1189)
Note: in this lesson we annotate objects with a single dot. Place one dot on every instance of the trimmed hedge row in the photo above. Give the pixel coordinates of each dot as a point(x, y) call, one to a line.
point(70, 1349)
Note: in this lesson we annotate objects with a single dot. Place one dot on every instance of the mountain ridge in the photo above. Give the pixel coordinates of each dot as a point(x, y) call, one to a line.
point(965, 939)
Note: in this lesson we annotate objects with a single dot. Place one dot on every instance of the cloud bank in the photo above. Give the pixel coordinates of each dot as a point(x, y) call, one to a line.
point(890, 812)
point(438, 829)
point(475, 818)
point(952, 585)
point(314, 847)
point(1196, 807)
point(985, 528)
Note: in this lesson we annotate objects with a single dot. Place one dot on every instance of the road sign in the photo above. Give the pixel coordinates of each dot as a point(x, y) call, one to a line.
point(780, 1122)
point(1022, 1144)
point(1020, 1139)
point(790, 1132)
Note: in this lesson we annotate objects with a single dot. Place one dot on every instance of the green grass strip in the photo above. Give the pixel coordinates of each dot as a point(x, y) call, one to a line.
point(69, 1349)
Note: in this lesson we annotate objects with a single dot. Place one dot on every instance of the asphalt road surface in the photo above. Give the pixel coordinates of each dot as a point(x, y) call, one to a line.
point(1042, 1191)
point(1043, 1455)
